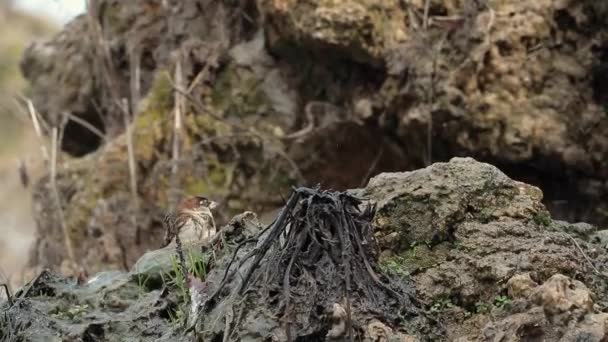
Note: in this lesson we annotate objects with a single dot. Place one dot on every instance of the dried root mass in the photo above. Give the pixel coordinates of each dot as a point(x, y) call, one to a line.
point(315, 271)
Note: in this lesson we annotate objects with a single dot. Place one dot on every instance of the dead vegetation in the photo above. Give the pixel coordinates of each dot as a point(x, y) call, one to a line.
point(318, 255)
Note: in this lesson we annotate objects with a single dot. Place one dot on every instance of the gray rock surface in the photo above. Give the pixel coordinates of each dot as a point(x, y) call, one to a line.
point(486, 261)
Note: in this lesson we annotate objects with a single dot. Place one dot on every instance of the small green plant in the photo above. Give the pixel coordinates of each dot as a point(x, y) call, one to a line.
point(177, 318)
point(8, 330)
point(197, 265)
point(176, 279)
point(481, 307)
point(4, 326)
point(72, 313)
point(142, 283)
point(395, 266)
point(502, 302)
point(486, 215)
point(414, 245)
point(542, 219)
point(441, 304)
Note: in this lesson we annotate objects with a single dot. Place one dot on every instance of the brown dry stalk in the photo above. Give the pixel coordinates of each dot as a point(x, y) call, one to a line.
point(66, 235)
point(135, 80)
point(51, 163)
point(38, 130)
point(112, 80)
point(132, 168)
point(108, 71)
point(177, 128)
point(7, 291)
point(427, 7)
point(86, 125)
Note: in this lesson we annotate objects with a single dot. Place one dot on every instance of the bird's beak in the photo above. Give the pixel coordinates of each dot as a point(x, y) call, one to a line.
point(212, 204)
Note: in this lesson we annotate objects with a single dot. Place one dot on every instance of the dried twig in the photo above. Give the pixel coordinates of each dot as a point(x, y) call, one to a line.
point(132, 169)
point(177, 128)
point(57, 198)
point(425, 21)
point(108, 71)
point(595, 270)
point(38, 130)
point(8, 293)
point(51, 163)
point(372, 167)
point(61, 125)
point(135, 80)
point(86, 125)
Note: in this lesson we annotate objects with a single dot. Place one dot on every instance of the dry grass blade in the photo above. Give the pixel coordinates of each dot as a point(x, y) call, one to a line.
point(66, 234)
point(38, 130)
point(87, 125)
point(7, 291)
point(595, 270)
point(132, 169)
point(135, 81)
point(177, 128)
point(108, 71)
point(51, 163)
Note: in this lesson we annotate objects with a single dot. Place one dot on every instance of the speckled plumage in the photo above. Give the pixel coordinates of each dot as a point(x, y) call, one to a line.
point(192, 221)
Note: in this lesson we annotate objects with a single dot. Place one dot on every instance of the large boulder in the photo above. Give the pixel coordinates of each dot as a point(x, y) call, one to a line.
point(474, 240)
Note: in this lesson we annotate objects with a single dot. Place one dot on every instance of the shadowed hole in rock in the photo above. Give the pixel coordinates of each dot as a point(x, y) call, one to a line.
point(79, 140)
point(564, 20)
point(93, 333)
point(600, 78)
point(39, 287)
point(169, 312)
point(153, 283)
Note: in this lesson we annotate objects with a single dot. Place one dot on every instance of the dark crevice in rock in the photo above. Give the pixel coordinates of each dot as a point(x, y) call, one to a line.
point(600, 78)
point(563, 194)
point(79, 140)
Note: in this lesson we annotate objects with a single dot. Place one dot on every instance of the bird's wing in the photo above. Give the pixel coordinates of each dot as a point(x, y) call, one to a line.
point(169, 222)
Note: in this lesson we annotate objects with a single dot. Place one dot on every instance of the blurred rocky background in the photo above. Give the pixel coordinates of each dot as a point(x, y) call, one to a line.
point(19, 148)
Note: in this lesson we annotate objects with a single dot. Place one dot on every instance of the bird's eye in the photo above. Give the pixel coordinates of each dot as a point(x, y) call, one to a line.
point(202, 202)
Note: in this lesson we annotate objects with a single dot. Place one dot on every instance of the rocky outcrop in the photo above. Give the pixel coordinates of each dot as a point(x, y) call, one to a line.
point(477, 244)
point(559, 310)
point(282, 92)
point(477, 252)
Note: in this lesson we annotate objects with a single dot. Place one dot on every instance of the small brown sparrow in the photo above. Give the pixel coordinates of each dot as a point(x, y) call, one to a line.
point(192, 221)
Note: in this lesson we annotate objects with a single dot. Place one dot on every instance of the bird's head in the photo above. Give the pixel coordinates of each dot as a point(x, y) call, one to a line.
point(197, 203)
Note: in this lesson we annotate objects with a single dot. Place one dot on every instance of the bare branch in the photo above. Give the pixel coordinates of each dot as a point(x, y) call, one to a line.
point(66, 235)
point(372, 167)
point(36, 123)
point(177, 128)
point(132, 168)
point(86, 125)
point(135, 81)
point(427, 7)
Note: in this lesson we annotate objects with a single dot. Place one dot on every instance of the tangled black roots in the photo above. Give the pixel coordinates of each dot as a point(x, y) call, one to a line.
point(318, 253)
